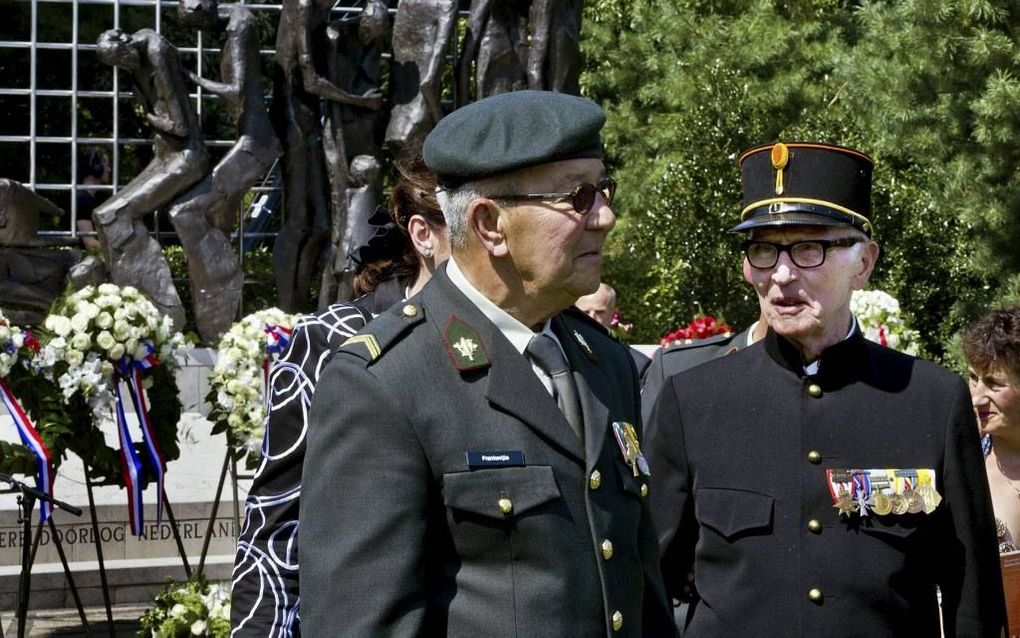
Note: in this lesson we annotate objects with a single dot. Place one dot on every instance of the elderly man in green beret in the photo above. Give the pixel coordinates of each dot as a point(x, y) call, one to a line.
point(474, 467)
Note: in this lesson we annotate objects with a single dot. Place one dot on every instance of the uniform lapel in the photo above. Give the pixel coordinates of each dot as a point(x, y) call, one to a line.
point(510, 383)
point(592, 385)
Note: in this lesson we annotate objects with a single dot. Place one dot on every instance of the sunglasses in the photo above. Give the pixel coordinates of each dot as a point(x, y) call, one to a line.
point(582, 198)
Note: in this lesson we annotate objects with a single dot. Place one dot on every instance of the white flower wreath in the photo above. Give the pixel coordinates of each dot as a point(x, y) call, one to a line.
point(238, 380)
point(878, 314)
point(11, 341)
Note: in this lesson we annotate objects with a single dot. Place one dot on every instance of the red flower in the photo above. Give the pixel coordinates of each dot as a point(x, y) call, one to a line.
point(702, 327)
point(32, 342)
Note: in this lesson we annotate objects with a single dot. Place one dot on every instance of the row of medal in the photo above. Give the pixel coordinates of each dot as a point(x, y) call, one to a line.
point(883, 491)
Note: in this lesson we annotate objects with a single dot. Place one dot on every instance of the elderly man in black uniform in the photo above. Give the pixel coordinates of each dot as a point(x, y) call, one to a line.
point(817, 483)
point(474, 467)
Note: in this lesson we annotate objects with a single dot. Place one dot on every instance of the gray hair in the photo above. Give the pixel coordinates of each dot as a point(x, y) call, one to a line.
point(454, 202)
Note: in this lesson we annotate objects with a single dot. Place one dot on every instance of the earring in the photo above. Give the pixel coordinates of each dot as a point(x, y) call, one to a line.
point(426, 253)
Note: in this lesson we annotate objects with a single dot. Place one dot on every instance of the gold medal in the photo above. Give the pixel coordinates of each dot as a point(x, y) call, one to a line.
point(899, 504)
point(928, 498)
point(915, 504)
point(881, 504)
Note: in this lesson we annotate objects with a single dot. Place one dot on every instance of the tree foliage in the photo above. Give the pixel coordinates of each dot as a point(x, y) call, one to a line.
point(928, 89)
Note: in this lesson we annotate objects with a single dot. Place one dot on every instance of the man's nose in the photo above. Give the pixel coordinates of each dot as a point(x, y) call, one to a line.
point(601, 216)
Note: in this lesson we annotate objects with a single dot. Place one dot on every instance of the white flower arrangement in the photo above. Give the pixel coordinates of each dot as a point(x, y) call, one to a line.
point(12, 339)
point(237, 380)
point(95, 329)
point(194, 609)
point(878, 314)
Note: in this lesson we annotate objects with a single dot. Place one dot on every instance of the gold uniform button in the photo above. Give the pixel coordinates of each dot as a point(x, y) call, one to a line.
point(814, 390)
point(506, 506)
point(814, 526)
point(607, 549)
point(644, 490)
point(617, 621)
point(815, 595)
point(814, 456)
point(410, 310)
point(595, 479)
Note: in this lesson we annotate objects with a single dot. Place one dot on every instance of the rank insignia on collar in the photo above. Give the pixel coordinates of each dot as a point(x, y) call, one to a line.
point(464, 346)
point(370, 343)
point(584, 346)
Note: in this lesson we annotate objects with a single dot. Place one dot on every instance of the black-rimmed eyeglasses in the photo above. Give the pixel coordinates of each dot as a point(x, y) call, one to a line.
point(804, 254)
point(582, 198)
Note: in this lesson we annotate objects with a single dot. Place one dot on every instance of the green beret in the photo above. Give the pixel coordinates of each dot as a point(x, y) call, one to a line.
point(510, 131)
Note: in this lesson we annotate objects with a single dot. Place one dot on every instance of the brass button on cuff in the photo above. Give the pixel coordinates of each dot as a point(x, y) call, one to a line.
point(814, 390)
point(506, 506)
point(814, 456)
point(814, 526)
point(410, 310)
point(617, 621)
point(815, 595)
point(607, 549)
point(595, 480)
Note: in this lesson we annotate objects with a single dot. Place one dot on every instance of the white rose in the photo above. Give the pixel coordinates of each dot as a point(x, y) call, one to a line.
point(129, 292)
point(106, 369)
point(178, 611)
point(198, 628)
point(108, 289)
point(105, 340)
point(18, 339)
point(234, 421)
point(58, 325)
point(81, 341)
point(58, 343)
point(233, 387)
point(104, 320)
point(131, 347)
point(119, 313)
point(116, 352)
point(74, 357)
point(121, 330)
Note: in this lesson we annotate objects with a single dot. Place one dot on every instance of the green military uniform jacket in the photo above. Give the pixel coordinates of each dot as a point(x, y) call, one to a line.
point(444, 493)
point(739, 449)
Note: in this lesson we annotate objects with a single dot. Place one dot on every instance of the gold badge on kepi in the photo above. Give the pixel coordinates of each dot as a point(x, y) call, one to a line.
point(780, 158)
point(627, 440)
point(464, 345)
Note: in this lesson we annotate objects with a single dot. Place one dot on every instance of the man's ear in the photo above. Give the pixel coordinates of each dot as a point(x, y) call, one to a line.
point(866, 263)
point(486, 220)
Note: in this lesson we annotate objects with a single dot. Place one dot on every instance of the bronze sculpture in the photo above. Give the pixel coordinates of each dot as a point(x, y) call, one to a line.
point(205, 216)
point(179, 160)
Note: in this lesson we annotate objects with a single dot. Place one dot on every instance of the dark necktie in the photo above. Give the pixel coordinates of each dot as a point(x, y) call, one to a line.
point(548, 356)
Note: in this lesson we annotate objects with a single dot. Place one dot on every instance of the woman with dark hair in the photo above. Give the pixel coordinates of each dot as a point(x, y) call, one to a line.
point(394, 264)
point(992, 349)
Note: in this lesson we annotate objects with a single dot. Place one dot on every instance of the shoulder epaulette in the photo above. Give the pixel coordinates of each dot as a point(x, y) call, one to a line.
point(686, 344)
point(385, 330)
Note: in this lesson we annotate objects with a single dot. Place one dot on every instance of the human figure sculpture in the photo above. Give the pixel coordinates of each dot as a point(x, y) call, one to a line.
point(554, 56)
point(496, 44)
point(351, 132)
point(298, 88)
point(179, 160)
point(421, 36)
point(363, 196)
point(207, 213)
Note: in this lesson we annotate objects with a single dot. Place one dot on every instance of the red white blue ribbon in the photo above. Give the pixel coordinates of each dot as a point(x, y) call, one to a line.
point(131, 466)
point(30, 437)
point(131, 371)
point(277, 338)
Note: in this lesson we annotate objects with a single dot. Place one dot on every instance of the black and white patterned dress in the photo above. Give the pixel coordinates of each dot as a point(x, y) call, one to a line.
point(265, 599)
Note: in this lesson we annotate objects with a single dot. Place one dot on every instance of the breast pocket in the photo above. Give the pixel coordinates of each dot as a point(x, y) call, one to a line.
point(734, 513)
point(500, 493)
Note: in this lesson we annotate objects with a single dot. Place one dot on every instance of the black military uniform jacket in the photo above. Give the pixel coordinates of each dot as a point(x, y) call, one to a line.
point(444, 493)
point(739, 492)
point(684, 355)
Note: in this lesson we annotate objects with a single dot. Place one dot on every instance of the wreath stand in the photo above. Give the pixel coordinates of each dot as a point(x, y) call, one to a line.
point(27, 498)
point(229, 465)
point(99, 546)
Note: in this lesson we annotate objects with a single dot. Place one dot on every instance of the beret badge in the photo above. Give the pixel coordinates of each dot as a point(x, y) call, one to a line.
point(780, 158)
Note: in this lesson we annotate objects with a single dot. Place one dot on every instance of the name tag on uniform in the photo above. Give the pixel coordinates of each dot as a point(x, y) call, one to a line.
point(509, 458)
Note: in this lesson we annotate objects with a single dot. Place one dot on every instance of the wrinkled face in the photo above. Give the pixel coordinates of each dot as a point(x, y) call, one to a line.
point(996, 397)
point(599, 305)
point(811, 306)
point(198, 14)
point(555, 250)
